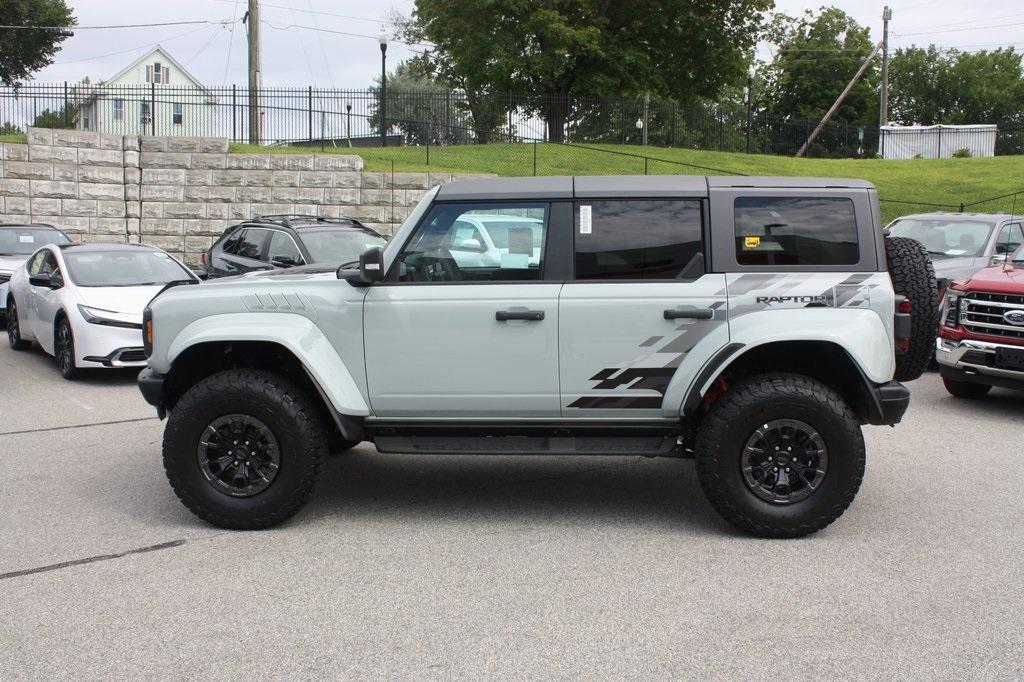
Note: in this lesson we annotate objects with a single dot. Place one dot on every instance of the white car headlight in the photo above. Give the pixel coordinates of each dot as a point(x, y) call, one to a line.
point(110, 318)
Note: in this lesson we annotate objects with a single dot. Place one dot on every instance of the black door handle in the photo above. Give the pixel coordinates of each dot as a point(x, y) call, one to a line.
point(533, 315)
point(689, 314)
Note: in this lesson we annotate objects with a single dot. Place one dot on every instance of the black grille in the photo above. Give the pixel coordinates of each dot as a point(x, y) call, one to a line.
point(133, 355)
point(4, 278)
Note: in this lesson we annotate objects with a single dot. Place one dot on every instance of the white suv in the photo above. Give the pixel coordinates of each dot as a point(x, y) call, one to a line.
point(751, 323)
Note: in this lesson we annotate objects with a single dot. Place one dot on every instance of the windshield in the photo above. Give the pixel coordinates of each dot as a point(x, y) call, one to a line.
point(123, 268)
point(946, 238)
point(24, 241)
point(333, 245)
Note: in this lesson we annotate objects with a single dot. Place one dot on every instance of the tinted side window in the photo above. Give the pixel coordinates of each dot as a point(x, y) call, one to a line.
point(796, 231)
point(231, 241)
point(250, 244)
point(1010, 238)
point(283, 246)
point(37, 262)
point(645, 239)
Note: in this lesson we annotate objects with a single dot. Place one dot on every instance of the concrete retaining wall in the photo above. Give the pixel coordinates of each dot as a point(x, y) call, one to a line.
point(179, 193)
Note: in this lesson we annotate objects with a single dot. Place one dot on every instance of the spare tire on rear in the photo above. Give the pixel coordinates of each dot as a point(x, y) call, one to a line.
point(913, 276)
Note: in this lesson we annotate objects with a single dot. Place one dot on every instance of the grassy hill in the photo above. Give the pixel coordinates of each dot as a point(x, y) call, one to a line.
point(943, 181)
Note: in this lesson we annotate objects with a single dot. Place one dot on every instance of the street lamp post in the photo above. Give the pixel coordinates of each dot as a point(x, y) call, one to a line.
point(640, 128)
point(348, 122)
point(750, 103)
point(383, 39)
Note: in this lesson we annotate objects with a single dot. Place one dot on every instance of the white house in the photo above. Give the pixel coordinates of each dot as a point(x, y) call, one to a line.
point(154, 95)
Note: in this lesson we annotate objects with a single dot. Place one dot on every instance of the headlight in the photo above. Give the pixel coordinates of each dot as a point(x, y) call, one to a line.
point(109, 318)
point(951, 308)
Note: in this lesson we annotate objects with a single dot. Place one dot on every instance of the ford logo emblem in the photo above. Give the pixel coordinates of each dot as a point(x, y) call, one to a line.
point(1015, 317)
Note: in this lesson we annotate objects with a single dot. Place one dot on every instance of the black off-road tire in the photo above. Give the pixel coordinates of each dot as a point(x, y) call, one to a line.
point(913, 276)
point(966, 389)
point(740, 412)
point(14, 329)
point(289, 414)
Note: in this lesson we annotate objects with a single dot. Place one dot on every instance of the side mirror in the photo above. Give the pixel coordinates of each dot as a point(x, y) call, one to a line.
point(998, 259)
point(470, 245)
point(371, 267)
point(51, 281)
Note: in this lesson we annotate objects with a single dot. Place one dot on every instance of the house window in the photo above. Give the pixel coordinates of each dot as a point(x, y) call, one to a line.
point(145, 112)
point(158, 73)
point(176, 115)
point(118, 109)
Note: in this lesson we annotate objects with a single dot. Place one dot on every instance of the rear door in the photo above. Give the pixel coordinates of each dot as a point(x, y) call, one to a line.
point(243, 252)
point(640, 304)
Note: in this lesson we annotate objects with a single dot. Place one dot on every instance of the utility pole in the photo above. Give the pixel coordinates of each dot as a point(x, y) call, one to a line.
point(835, 107)
point(883, 107)
point(252, 22)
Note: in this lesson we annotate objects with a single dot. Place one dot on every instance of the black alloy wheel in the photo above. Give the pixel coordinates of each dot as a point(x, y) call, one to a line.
point(239, 455)
point(784, 461)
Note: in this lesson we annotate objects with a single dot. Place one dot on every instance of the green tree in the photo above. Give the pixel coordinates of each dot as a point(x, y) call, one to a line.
point(427, 112)
point(930, 86)
point(551, 50)
point(817, 55)
point(26, 50)
point(8, 128)
point(64, 117)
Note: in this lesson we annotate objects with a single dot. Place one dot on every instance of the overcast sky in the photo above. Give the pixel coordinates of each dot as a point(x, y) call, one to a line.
point(216, 54)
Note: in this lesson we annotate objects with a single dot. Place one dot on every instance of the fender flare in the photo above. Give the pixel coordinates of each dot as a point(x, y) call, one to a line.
point(294, 332)
point(858, 334)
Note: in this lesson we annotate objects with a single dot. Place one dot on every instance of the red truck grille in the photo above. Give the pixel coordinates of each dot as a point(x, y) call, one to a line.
point(984, 313)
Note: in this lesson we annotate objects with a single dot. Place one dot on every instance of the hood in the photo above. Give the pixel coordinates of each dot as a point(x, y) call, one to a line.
point(130, 300)
point(301, 272)
point(11, 263)
point(957, 268)
point(998, 279)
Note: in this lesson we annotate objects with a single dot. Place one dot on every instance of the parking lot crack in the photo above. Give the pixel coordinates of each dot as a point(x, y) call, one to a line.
point(77, 426)
point(92, 559)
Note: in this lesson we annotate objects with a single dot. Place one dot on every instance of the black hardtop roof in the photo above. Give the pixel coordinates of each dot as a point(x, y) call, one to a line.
point(611, 186)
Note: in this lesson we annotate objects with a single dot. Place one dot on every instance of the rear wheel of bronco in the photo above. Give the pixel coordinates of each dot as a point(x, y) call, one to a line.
point(913, 276)
point(243, 448)
point(966, 389)
point(780, 455)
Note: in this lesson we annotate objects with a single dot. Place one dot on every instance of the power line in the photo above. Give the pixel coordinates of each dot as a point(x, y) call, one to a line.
point(131, 49)
point(202, 49)
point(320, 12)
point(231, 42)
point(91, 28)
point(955, 30)
point(341, 33)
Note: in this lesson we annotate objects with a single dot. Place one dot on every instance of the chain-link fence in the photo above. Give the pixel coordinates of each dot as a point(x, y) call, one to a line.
point(311, 116)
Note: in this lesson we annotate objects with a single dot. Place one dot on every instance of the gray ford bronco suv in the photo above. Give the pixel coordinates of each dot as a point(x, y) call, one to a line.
point(753, 324)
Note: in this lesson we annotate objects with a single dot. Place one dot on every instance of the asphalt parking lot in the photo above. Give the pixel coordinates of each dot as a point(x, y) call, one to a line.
point(531, 567)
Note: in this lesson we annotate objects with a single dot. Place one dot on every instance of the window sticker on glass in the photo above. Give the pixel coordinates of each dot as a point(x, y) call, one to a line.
point(751, 242)
point(586, 220)
point(26, 239)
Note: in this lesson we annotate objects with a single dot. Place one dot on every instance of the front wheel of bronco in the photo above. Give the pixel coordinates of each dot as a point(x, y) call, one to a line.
point(780, 455)
point(243, 448)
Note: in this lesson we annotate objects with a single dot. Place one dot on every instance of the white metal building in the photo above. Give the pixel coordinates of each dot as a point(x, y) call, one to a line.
point(937, 142)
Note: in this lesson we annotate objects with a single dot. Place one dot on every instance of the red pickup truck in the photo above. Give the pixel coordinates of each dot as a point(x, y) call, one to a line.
point(981, 331)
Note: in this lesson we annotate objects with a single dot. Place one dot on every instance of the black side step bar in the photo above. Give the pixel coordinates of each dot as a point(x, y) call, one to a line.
point(525, 439)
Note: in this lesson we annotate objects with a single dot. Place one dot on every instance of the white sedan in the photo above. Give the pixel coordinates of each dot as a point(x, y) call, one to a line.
point(83, 303)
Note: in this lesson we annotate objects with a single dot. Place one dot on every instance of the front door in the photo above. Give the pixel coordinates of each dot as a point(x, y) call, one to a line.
point(640, 309)
point(44, 302)
point(453, 337)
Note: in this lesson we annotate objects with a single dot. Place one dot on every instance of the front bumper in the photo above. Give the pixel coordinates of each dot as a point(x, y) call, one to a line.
point(974, 362)
point(151, 385)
